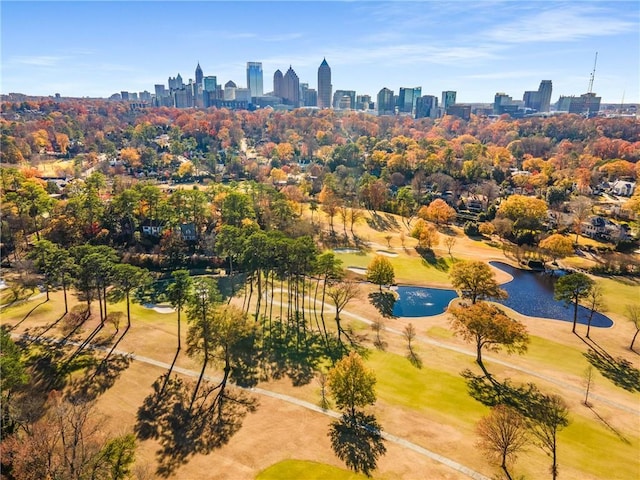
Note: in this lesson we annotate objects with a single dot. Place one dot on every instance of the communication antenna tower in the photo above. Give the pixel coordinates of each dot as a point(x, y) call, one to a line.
point(593, 74)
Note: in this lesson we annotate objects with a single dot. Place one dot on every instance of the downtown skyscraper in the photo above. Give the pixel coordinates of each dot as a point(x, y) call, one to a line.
point(254, 78)
point(324, 85)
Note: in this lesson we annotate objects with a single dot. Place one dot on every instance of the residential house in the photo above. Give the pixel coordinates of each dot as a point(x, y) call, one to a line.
point(152, 228)
point(623, 188)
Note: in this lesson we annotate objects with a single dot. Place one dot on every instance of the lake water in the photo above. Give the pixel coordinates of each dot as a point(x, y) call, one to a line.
point(420, 301)
point(530, 293)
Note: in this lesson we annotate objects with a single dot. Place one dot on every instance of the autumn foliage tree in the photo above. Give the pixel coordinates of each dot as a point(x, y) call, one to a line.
point(489, 328)
point(474, 279)
point(438, 212)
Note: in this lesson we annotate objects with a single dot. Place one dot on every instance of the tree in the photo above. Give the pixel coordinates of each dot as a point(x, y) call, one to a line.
point(341, 293)
point(581, 209)
point(527, 213)
point(43, 255)
point(449, 242)
point(503, 434)
point(438, 212)
point(380, 271)
point(127, 278)
point(596, 303)
point(409, 333)
point(352, 384)
point(200, 337)
point(588, 380)
point(489, 328)
point(558, 246)
point(548, 415)
point(633, 315)
point(426, 234)
point(178, 293)
point(571, 289)
point(13, 374)
point(475, 280)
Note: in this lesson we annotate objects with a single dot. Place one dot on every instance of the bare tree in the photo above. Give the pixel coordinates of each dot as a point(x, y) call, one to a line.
point(449, 242)
point(633, 314)
point(596, 303)
point(341, 293)
point(581, 209)
point(378, 326)
point(409, 333)
point(588, 379)
point(548, 416)
point(503, 434)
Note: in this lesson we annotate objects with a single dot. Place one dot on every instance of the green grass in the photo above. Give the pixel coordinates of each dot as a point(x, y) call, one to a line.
point(618, 293)
point(306, 470)
point(561, 358)
point(588, 443)
point(440, 333)
point(426, 390)
point(413, 270)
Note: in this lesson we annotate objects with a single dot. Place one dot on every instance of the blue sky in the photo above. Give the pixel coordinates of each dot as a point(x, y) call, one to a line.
point(476, 48)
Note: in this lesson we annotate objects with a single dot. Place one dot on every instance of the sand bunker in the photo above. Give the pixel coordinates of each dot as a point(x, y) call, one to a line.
point(159, 309)
point(346, 250)
point(386, 253)
point(360, 270)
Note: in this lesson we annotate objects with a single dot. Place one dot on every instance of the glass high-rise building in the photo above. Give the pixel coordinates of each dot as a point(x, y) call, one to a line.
point(324, 85)
point(448, 98)
point(254, 78)
point(199, 75)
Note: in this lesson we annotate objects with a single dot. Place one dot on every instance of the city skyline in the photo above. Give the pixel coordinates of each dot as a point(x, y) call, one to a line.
point(476, 50)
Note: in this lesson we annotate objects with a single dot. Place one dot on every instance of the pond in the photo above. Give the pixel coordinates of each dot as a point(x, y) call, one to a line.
point(421, 302)
point(530, 293)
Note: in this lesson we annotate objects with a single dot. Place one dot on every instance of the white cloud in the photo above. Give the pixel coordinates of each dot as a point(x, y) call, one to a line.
point(562, 24)
point(39, 60)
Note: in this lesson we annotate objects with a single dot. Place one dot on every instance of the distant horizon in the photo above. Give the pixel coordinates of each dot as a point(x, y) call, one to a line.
point(474, 48)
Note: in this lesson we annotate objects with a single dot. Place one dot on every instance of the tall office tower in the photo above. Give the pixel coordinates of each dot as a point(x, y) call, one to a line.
point(427, 107)
point(448, 98)
point(363, 102)
point(230, 90)
point(254, 78)
point(159, 90)
point(199, 75)
point(545, 95)
point(407, 98)
point(308, 96)
point(291, 88)
point(278, 84)
point(539, 100)
point(210, 83)
point(500, 101)
point(324, 85)
point(385, 103)
point(340, 103)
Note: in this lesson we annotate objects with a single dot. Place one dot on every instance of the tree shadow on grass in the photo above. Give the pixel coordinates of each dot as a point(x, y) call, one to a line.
point(357, 441)
point(609, 426)
point(284, 354)
point(429, 259)
point(38, 332)
point(97, 381)
point(217, 414)
point(383, 302)
point(28, 314)
point(490, 392)
point(620, 371)
point(380, 223)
